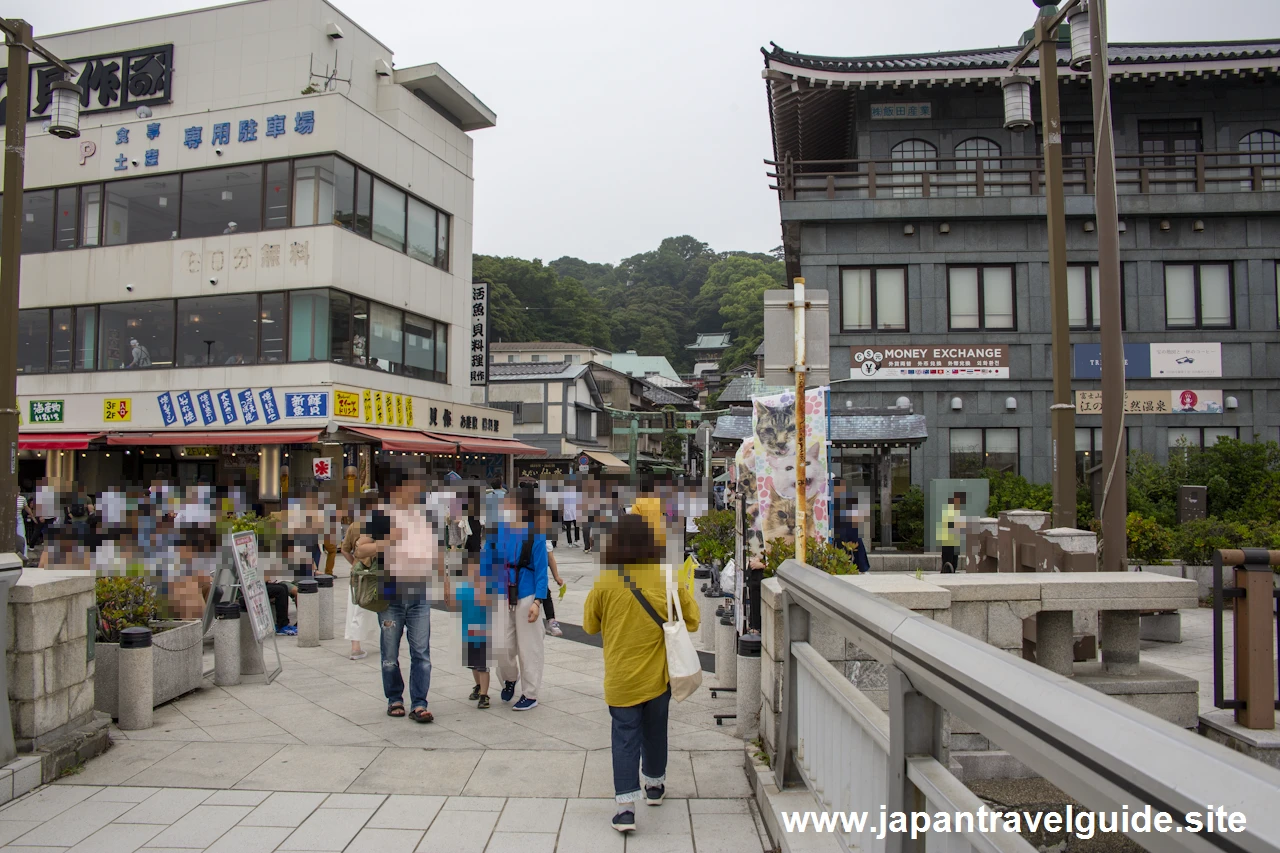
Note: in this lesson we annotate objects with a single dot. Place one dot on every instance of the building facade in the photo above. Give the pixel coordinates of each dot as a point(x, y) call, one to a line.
point(903, 195)
point(511, 353)
point(261, 241)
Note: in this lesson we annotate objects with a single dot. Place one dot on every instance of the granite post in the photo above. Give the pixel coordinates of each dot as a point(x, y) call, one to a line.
point(135, 674)
point(226, 644)
point(308, 613)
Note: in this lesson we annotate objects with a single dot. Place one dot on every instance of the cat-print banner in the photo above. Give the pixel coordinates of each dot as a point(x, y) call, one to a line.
point(774, 454)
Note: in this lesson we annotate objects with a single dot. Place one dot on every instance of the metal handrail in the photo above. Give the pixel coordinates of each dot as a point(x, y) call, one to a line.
point(1102, 752)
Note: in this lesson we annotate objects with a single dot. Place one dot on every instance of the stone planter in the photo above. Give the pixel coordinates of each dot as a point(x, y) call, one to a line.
point(178, 665)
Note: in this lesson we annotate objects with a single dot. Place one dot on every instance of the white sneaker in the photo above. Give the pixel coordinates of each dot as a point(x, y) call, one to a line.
point(553, 628)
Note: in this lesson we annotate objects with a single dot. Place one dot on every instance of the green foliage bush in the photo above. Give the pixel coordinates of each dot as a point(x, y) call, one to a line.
point(831, 558)
point(1013, 491)
point(1148, 541)
point(714, 541)
point(123, 602)
point(908, 515)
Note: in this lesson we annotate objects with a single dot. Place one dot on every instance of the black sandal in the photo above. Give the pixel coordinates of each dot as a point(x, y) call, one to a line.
point(421, 715)
point(395, 709)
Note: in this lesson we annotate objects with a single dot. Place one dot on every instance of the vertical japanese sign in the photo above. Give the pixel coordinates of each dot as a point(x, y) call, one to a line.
point(479, 333)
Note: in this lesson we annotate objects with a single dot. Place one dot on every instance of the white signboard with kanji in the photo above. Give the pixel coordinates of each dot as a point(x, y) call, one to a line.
point(479, 333)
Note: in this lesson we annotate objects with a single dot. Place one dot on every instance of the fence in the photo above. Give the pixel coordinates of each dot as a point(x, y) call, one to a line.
point(1257, 669)
point(1105, 754)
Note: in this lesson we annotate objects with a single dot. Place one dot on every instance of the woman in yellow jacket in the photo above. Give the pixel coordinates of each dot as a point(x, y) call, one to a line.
point(636, 684)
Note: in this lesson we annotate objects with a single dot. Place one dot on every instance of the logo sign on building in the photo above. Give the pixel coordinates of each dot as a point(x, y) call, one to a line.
point(1176, 402)
point(118, 410)
point(108, 82)
point(322, 469)
point(907, 109)
point(208, 413)
point(228, 406)
point(45, 411)
point(346, 405)
point(310, 404)
point(989, 361)
point(1152, 361)
point(479, 333)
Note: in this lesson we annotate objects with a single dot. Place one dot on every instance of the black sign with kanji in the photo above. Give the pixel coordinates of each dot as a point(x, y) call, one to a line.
point(109, 82)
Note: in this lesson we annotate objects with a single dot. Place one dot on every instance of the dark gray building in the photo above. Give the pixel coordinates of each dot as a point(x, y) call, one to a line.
point(902, 194)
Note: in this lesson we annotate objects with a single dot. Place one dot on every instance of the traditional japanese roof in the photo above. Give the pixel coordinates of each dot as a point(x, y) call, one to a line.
point(535, 346)
point(743, 388)
point(517, 370)
point(657, 396)
point(641, 365)
point(677, 385)
point(708, 341)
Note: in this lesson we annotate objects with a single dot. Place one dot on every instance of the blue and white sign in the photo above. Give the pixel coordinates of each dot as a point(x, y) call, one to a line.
point(228, 407)
point(166, 409)
point(208, 413)
point(186, 408)
point(314, 404)
point(1087, 361)
point(247, 407)
point(269, 411)
point(1152, 361)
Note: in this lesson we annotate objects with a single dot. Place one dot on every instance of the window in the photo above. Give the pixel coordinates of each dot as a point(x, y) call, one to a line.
point(340, 340)
point(510, 359)
point(535, 357)
point(309, 325)
point(313, 191)
point(1174, 142)
point(981, 297)
point(1082, 297)
point(359, 332)
point(912, 156)
point(275, 204)
point(364, 204)
point(33, 341)
point(973, 450)
point(873, 298)
point(583, 430)
point(424, 348)
point(1089, 450)
point(66, 216)
point(344, 195)
point(91, 215)
point(442, 242)
point(1198, 296)
point(62, 340)
point(573, 359)
point(221, 201)
point(142, 210)
point(37, 221)
point(422, 231)
point(971, 154)
point(1198, 438)
point(86, 338)
point(136, 335)
point(1262, 148)
point(271, 328)
point(386, 339)
point(388, 216)
point(217, 330)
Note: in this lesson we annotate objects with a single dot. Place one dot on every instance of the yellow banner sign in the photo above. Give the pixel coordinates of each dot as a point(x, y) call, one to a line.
point(117, 410)
point(378, 412)
point(368, 406)
point(399, 410)
point(346, 405)
point(408, 411)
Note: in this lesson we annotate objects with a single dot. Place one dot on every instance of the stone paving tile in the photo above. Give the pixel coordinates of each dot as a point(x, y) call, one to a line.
point(401, 811)
point(122, 761)
point(401, 771)
point(73, 825)
point(237, 798)
point(46, 803)
point(459, 832)
point(521, 842)
point(585, 828)
point(215, 765)
point(242, 731)
point(531, 814)
point(597, 776)
point(11, 829)
point(284, 808)
point(726, 833)
point(353, 801)
point(25, 849)
point(202, 826)
point(123, 795)
point(119, 838)
point(541, 773)
point(475, 804)
point(250, 839)
point(327, 829)
point(714, 806)
point(165, 806)
point(310, 768)
point(720, 774)
point(385, 841)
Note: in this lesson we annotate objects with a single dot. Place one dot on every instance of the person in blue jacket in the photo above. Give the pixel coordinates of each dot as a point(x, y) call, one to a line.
point(845, 530)
point(523, 553)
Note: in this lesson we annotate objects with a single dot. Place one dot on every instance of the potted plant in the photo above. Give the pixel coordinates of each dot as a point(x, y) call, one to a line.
point(178, 652)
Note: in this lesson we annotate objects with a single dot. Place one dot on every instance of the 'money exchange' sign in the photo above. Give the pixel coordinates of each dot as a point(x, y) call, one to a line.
point(986, 361)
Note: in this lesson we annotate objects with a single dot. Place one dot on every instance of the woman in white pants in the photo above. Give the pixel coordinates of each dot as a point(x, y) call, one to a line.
point(362, 625)
point(523, 552)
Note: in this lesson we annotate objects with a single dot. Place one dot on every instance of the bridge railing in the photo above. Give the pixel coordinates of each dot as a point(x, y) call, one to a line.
point(1107, 755)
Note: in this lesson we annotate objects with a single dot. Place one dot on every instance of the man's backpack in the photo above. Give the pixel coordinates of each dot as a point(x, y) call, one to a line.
point(367, 582)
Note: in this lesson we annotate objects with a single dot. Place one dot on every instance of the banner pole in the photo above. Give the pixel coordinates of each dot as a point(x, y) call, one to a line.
point(802, 510)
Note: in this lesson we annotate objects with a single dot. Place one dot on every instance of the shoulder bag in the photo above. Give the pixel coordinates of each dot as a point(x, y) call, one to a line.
point(684, 667)
point(367, 582)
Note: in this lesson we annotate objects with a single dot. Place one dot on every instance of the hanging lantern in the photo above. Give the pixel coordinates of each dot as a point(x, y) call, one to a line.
point(1080, 38)
point(64, 116)
point(1017, 102)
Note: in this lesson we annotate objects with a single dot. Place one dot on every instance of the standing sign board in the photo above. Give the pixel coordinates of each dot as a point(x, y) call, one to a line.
point(240, 576)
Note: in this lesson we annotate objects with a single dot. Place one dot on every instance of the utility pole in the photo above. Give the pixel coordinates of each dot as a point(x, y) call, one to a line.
point(802, 497)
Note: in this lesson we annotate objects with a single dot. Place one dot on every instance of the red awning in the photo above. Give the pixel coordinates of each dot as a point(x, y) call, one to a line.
point(405, 441)
point(501, 446)
point(218, 437)
point(56, 440)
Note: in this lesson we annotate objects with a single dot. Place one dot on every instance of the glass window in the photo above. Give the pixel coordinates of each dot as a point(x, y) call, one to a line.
point(62, 336)
point(1263, 147)
point(419, 347)
point(142, 210)
point(966, 452)
point(981, 297)
point(364, 204)
point(276, 197)
point(912, 155)
point(997, 293)
point(359, 332)
point(86, 338)
point(1083, 297)
point(217, 330)
point(891, 299)
point(422, 231)
point(271, 332)
point(964, 297)
point(340, 327)
point(388, 215)
point(856, 300)
point(221, 201)
point(386, 343)
point(66, 217)
point(1001, 450)
point(313, 191)
point(91, 215)
point(969, 155)
point(442, 352)
point(1198, 296)
point(874, 299)
point(1213, 434)
point(344, 194)
point(136, 335)
point(33, 341)
point(309, 325)
point(1215, 295)
point(442, 241)
point(973, 450)
point(37, 221)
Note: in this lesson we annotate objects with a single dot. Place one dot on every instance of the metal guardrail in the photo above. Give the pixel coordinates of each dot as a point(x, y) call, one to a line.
point(1257, 671)
point(1107, 755)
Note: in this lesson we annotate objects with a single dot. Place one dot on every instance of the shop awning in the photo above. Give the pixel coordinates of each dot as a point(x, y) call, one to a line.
point(607, 459)
point(217, 437)
point(56, 440)
point(499, 446)
point(405, 441)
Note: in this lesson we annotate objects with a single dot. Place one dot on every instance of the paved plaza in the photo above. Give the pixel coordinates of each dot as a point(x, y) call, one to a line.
point(311, 762)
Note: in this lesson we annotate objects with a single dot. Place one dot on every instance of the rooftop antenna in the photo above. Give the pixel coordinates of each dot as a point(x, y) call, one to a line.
point(327, 80)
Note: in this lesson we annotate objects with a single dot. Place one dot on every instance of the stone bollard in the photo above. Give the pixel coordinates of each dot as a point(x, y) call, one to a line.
point(749, 689)
point(250, 650)
point(707, 627)
point(726, 659)
point(325, 585)
point(135, 679)
point(308, 613)
point(226, 644)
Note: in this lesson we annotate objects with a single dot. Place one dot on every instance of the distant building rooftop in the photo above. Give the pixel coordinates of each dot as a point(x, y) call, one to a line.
point(643, 365)
point(711, 342)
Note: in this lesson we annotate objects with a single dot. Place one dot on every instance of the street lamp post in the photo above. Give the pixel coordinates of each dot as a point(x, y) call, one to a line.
point(1090, 16)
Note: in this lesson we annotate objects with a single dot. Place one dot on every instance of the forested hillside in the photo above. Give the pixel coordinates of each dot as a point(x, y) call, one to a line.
point(653, 303)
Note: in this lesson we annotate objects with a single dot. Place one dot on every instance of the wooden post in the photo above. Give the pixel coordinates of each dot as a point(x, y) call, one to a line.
point(1255, 668)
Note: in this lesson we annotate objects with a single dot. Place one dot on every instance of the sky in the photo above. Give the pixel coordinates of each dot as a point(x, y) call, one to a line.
point(620, 124)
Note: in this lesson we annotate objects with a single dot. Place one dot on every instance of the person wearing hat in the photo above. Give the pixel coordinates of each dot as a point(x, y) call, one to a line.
point(141, 358)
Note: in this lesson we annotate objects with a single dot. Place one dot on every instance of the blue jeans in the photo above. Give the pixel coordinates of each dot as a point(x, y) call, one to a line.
point(639, 733)
point(412, 616)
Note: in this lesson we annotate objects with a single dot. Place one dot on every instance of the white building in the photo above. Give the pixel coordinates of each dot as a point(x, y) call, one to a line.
point(282, 222)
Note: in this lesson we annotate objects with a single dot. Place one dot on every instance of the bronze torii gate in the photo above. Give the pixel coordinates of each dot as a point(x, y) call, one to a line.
point(670, 417)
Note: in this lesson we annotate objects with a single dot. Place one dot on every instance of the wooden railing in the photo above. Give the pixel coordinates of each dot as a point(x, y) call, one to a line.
point(959, 177)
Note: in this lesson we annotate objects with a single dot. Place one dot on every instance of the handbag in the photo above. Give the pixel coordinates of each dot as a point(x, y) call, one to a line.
point(684, 667)
point(367, 582)
point(524, 561)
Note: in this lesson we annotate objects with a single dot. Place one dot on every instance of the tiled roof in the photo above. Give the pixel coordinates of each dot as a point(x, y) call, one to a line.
point(638, 365)
point(743, 388)
point(662, 396)
point(520, 369)
point(532, 345)
point(719, 340)
point(676, 385)
point(999, 57)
